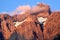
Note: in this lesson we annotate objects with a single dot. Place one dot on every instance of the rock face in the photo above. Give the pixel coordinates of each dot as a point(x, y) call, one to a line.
point(35, 24)
point(20, 17)
point(6, 26)
point(52, 27)
point(30, 29)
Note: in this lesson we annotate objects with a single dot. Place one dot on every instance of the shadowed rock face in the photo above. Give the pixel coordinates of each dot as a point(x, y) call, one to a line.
point(16, 36)
point(52, 27)
point(1, 36)
point(57, 37)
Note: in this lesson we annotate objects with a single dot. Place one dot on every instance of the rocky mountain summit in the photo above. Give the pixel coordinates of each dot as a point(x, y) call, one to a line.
point(38, 23)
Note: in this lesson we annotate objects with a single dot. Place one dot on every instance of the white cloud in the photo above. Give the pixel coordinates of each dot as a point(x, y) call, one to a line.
point(23, 8)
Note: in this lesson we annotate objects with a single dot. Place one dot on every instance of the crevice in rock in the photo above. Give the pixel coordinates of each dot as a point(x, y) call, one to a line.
point(0, 23)
point(0, 26)
point(35, 35)
point(7, 24)
point(5, 17)
point(41, 26)
point(36, 24)
point(1, 20)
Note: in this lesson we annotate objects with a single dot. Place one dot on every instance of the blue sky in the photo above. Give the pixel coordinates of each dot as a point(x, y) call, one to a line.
point(11, 5)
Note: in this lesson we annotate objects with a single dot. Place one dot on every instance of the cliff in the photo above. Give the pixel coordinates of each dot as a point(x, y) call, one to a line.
point(38, 23)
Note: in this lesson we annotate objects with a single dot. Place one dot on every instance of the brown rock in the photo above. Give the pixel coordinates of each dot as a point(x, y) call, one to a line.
point(6, 26)
point(30, 29)
point(29, 26)
point(5, 16)
point(52, 27)
point(20, 17)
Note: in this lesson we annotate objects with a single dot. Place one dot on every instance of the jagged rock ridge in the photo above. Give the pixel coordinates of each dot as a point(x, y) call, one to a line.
point(38, 23)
